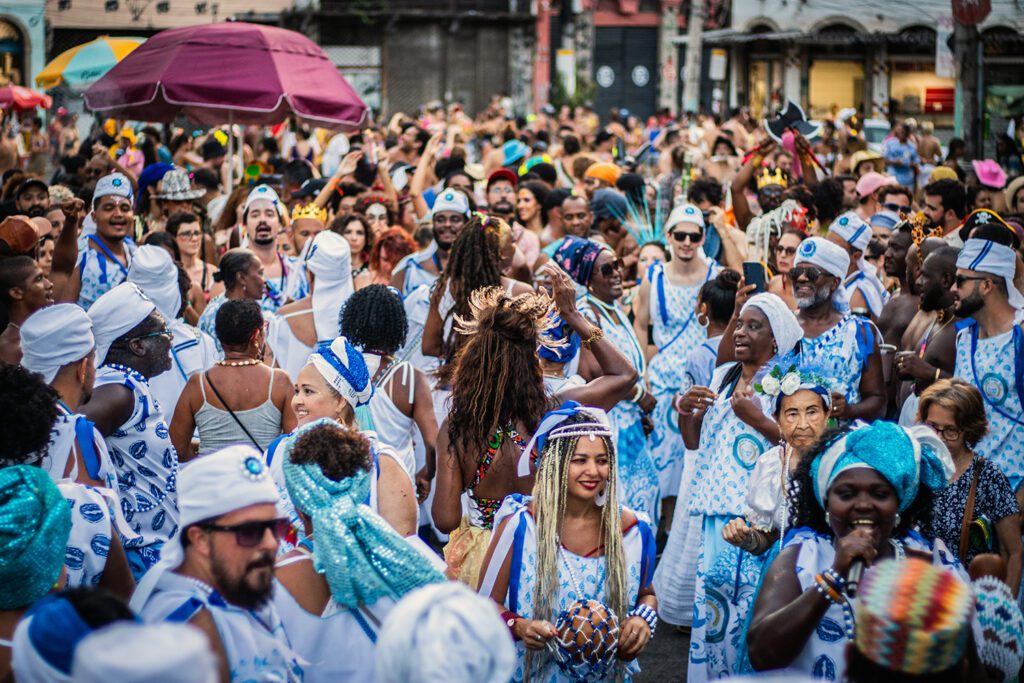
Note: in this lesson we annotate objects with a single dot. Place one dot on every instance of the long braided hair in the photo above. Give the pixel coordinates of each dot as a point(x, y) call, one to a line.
point(473, 262)
point(496, 375)
point(549, 499)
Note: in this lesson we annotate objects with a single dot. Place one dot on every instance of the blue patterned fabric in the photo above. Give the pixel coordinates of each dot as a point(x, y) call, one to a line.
point(91, 530)
point(208, 320)
point(99, 274)
point(840, 354)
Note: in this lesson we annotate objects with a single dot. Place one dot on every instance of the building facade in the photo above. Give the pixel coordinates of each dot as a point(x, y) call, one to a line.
point(22, 41)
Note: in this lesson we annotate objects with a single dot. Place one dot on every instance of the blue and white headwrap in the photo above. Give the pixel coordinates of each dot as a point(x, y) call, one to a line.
point(559, 344)
point(993, 258)
point(361, 556)
point(852, 230)
point(831, 258)
point(45, 641)
point(550, 427)
point(781, 382)
point(907, 457)
point(343, 367)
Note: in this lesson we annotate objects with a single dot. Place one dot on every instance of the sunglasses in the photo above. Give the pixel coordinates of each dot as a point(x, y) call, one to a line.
point(961, 279)
point(896, 207)
point(611, 267)
point(811, 274)
point(189, 234)
point(249, 534)
point(788, 251)
point(166, 332)
point(682, 236)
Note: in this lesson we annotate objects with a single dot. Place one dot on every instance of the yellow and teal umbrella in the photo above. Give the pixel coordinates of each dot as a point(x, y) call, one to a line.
point(85, 64)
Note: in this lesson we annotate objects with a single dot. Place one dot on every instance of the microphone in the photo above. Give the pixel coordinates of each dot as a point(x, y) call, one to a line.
point(853, 577)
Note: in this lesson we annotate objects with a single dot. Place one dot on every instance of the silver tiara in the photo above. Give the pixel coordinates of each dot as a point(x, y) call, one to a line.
point(580, 429)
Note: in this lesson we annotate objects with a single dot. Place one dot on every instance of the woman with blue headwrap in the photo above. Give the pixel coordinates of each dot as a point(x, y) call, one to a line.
point(337, 586)
point(730, 429)
point(856, 498)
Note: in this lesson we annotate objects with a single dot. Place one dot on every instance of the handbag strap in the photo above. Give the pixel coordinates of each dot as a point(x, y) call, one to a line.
point(979, 462)
point(206, 376)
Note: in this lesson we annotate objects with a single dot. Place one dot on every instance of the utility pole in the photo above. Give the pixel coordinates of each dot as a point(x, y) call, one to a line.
point(694, 49)
point(965, 50)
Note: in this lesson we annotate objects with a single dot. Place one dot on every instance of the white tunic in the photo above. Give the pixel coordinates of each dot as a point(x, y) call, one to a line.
point(392, 426)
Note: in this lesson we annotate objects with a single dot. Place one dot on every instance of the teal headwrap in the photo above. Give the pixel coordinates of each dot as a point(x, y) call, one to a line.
point(907, 458)
point(35, 522)
point(363, 558)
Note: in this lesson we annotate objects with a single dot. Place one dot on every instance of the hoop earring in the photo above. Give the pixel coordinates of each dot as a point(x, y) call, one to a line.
point(703, 321)
point(601, 498)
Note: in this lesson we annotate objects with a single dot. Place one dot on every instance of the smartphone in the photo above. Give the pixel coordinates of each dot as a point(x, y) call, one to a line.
point(753, 274)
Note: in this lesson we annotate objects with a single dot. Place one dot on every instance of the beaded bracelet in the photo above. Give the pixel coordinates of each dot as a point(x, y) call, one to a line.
point(647, 613)
point(827, 591)
point(833, 577)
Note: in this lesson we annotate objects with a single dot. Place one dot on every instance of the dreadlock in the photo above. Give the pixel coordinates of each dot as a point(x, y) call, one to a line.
point(549, 496)
point(496, 375)
point(474, 261)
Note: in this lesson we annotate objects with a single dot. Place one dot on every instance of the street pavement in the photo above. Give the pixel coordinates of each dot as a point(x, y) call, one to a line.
point(664, 660)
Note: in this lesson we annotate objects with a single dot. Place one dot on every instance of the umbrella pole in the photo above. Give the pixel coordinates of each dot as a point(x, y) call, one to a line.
point(231, 151)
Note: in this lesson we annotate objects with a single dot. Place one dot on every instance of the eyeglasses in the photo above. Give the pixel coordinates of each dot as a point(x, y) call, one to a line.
point(961, 279)
point(788, 251)
point(249, 534)
point(947, 433)
point(189, 234)
point(682, 236)
point(808, 272)
point(166, 332)
point(895, 207)
point(611, 267)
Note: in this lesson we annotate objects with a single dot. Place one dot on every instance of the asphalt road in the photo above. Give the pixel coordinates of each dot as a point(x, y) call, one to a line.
point(664, 659)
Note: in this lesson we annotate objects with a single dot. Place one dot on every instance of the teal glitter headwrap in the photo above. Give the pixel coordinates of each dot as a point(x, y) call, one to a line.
point(362, 557)
point(35, 522)
point(907, 458)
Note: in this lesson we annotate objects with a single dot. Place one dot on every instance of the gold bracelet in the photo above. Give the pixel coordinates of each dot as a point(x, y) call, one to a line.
point(596, 334)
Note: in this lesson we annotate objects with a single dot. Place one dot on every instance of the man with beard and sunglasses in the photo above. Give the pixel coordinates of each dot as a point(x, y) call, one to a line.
point(285, 276)
point(104, 263)
point(990, 347)
point(929, 343)
point(217, 570)
point(844, 345)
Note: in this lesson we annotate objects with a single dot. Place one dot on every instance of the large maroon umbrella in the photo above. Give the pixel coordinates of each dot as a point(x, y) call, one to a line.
point(228, 72)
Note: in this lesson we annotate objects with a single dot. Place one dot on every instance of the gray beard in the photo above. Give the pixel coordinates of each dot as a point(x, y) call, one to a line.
point(820, 294)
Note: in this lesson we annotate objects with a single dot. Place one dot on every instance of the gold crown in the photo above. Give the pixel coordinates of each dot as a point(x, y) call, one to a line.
point(310, 210)
point(767, 177)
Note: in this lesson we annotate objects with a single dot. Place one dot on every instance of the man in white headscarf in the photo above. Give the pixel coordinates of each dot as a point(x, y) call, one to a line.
point(130, 652)
point(217, 570)
point(845, 346)
point(297, 327)
point(444, 633)
point(262, 215)
point(866, 293)
point(193, 350)
point(990, 349)
point(133, 344)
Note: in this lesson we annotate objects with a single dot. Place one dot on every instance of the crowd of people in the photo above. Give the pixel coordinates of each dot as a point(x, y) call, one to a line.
point(487, 399)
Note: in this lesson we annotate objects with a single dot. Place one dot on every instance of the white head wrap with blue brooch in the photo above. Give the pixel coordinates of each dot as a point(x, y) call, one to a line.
point(907, 457)
point(343, 367)
point(227, 480)
point(265, 193)
point(831, 258)
point(779, 383)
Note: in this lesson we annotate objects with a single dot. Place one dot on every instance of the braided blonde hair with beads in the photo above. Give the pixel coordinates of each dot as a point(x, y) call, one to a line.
point(549, 497)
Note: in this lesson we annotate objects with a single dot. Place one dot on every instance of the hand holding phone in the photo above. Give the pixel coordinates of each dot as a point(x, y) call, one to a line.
point(753, 274)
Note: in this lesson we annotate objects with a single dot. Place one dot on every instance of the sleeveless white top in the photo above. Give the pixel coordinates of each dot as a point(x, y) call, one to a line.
point(62, 449)
point(192, 351)
point(393, 427)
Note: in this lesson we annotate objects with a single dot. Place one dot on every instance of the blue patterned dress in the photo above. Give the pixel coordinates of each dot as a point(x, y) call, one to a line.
point(728, 451)
point(638, 478)
point(842, 352)
point(99, 271)
point(993, 367)
point(676, 332)
point(147, 470)
point(586, 572)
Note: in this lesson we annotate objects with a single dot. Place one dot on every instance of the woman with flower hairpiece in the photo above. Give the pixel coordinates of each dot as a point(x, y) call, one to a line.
point(570, 568)
point(799, 401)
point(730, 429)
point(857, 496)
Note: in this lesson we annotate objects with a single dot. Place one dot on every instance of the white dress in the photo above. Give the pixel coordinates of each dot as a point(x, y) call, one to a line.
point(392, 426)
point(519, 536)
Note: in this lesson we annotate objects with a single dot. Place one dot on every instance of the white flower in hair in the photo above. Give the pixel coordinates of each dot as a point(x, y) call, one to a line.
point(770, 386)
point(790, 383)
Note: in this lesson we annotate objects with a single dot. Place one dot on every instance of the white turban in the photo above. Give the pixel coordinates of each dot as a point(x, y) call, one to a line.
point(129, 652)
point(853, 230)
point(55, 336)
point(343, 367)
point(444, 633)
point(230, 479)
point(156, 275)
point(785, 327)
point(116, 313)
point(993, 258)
point(329, 258)
point(831, 258)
